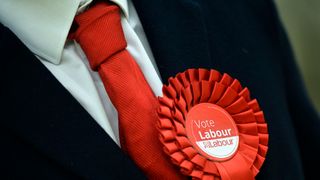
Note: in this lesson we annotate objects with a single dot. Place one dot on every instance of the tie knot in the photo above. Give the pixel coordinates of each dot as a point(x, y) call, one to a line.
point(100, 33)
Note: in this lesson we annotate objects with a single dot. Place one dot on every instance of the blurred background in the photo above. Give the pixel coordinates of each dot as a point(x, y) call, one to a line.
point(301, 19)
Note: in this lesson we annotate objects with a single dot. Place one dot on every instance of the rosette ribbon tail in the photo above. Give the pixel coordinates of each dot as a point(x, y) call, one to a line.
point(234, 169)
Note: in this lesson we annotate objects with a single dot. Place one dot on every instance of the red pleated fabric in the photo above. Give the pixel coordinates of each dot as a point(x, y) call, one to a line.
point(101, 37)
point(197, 86)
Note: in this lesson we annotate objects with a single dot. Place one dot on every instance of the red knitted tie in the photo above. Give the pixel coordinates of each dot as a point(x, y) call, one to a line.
point(101, 38)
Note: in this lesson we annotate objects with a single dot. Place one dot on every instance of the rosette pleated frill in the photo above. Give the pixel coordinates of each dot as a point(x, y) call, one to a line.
point(195, 86)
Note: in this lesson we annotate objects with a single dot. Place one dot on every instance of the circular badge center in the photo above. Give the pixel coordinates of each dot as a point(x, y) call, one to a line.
point(212, 131)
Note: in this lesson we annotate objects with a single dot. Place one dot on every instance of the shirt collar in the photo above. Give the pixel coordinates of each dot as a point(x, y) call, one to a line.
point(43, 26)
point(123, 4)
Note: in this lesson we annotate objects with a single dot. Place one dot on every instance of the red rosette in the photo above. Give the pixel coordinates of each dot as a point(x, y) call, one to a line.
point(199, 86)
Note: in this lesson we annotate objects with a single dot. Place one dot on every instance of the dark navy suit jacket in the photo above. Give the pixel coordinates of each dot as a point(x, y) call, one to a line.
point(243, 38)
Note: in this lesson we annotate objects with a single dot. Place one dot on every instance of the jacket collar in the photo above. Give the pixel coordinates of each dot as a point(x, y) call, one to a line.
point(43, 26)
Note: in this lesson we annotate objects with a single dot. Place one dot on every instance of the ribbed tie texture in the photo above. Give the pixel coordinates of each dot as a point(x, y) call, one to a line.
point(101, 37)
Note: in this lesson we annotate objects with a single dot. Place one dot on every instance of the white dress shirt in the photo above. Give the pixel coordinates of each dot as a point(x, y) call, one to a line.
point(43, 26)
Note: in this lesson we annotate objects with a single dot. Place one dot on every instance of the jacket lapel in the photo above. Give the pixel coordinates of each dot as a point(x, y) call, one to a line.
point(177, 34)
point(237, 37)
point(42, 113)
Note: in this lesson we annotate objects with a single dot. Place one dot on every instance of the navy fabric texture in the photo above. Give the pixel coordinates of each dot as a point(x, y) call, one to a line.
point(48, 135)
